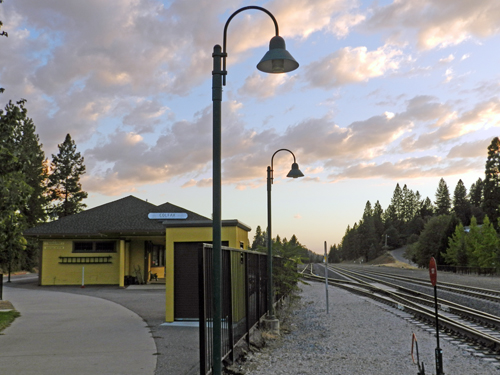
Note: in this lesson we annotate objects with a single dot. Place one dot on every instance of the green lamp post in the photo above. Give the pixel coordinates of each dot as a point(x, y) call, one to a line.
point(294, 173)
point(276, 60)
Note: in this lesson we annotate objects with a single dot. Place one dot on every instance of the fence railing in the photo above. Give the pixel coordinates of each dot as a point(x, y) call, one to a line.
point(468, 270)
point(244, 299)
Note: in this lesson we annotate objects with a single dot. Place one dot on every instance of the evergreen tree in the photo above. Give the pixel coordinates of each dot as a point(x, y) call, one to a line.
point(64, 181)
point(443, 201)
point(456, 254)
point(488, 252)
point(15, 192)
point(409, 206)
point(397, 202)
point(378, 214)
point(473, 242)
point(476, 199)
point(461, 205)
point(367, 235)
point(259, 240)
point(491, 192)
point(334, 254)
point(476, 193)
point(431, 240)
point(426, 209)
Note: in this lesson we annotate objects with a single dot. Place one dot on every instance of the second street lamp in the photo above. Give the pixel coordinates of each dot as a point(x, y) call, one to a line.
point(294, 173)
point(276, 60)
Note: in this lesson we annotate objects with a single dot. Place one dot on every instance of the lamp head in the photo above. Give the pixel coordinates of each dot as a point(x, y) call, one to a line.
point(295, 171)
point(277, 59)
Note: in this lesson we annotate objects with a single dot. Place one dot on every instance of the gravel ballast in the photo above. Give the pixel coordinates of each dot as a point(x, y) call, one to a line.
point(359, 337)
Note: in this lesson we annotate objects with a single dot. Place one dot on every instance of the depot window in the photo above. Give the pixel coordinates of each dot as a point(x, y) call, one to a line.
point(94, 246)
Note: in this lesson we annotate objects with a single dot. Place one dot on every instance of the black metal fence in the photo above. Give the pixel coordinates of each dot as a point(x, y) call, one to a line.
point(1, 286)
point(468, 270)
point(244, 299)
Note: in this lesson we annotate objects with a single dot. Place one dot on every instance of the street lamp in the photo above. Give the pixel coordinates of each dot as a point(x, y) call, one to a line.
point(276, 60)
point(294, 173)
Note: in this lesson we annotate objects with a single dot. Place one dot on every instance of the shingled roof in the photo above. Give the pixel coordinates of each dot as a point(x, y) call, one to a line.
point(128, 215)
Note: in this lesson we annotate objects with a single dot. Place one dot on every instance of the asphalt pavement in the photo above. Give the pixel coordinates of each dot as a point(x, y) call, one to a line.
point(398, 254)
point(93, 330)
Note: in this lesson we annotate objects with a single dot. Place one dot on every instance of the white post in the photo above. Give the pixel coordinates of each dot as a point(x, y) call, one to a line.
point(326, 278)
point(83, 277)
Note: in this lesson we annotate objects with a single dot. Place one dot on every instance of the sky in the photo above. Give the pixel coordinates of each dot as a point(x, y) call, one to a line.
point(387, 92)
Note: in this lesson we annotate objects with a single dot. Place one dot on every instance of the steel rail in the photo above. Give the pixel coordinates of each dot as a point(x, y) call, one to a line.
point(397, 301)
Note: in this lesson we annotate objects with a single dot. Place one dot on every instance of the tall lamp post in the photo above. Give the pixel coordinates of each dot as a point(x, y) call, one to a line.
point(276, 60)
point(294, 173)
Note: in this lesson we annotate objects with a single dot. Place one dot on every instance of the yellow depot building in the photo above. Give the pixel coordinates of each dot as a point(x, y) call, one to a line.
point(132, 241)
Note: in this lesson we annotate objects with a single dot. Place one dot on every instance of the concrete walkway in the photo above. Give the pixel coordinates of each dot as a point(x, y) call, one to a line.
point(63, 333)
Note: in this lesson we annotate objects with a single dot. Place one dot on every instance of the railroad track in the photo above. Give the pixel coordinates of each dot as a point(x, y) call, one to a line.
point(475, 327)
point(482, 293)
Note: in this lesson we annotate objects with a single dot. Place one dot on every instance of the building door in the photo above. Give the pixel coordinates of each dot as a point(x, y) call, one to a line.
point(186, 280)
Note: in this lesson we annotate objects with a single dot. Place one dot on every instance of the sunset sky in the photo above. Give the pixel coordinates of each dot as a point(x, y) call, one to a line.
point(387, 92)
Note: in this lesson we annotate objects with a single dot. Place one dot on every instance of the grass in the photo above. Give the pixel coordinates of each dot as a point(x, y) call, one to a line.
point(7, 317)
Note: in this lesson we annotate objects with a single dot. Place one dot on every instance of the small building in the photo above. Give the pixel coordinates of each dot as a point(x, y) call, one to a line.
point(131, 240)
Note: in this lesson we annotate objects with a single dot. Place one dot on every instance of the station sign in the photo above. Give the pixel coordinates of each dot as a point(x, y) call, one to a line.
point(167, 215)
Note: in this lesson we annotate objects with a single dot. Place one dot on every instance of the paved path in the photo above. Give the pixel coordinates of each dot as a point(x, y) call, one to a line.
point(63, 333)
point(398, 254)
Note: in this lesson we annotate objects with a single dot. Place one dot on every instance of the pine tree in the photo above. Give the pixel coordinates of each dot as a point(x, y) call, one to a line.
point(259, 240)
point(409, 204)
point(432, 238)
point(426, 209)
point(476, 199)
point(488, 253)
point(334, 254)
point(456, 254)
point(378, 214)
point(443, 201)
point(491, 203)
point(14, 190)
point(473, 242)
point(397, 202)
point(64, 181)
point(461, 205)
point(367, 234)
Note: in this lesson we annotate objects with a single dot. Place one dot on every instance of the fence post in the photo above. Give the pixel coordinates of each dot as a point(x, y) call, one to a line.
point(202, 310)
point(1, 286)
point(247, 301)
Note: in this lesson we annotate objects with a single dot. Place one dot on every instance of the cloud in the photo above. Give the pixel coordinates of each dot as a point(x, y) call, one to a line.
point(470, 149)
point(427, 166)
point(264, 86)
point(144, 116)
point(304, 17)
point(436, 23)
point(446, 125)
point(351, 65)
point(446, 60)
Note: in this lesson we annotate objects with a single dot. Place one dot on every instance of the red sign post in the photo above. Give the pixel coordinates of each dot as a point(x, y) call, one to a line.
point(433, 271)
point(439, 352)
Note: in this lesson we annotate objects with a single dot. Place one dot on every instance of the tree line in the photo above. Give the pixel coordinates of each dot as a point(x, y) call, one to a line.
point(289, 249)
point(33, 189)
point(460, 229)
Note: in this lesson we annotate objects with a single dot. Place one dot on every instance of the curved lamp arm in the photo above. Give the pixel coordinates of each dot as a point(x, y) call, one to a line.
point(277, 60)
point(294, 172)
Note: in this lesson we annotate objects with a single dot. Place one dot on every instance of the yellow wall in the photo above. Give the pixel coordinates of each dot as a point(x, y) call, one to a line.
point(204, 234)
point(55, 273)
point(238, 285)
